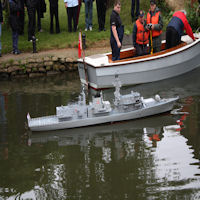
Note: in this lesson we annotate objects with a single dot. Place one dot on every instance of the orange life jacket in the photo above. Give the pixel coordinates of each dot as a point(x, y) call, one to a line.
point(142, 36)
point(154, 20)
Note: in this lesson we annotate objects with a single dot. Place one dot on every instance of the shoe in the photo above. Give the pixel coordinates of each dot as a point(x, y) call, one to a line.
point(0, 54)
point(41, 30)
point(90, 28)
point(86, 29)
point(104, 29)
point(16, 52)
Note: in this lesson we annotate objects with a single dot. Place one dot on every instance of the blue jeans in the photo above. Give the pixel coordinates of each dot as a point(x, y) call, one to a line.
point(15, 40)
point(0, 37)
point(88, 13)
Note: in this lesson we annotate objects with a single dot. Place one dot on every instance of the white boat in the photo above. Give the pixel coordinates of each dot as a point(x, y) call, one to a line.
point(98, 71)
point(126, 107)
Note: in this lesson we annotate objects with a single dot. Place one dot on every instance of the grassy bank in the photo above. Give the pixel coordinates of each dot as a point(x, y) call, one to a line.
point(66, 39)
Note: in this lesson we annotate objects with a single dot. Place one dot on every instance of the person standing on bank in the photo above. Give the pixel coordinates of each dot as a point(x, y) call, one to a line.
point(140, 35)
point(134, 14)
point(88, 14)
point(117, 31)
point(1, 22)
point(101, 13)
point(155, 25)
point(72, 9)
point(54, 12)
point(175, 29)
point(15, 8)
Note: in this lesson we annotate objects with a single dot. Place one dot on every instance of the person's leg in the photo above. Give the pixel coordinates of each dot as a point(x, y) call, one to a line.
point(38, 16)
point(98, 4)
point(78, 12)
point(69, 14)
point(51, 19)
point(31, 23)
point(90, 14)
point(75, 10)
point(168, 38)
point(87, 14)
point(115, 50)
point(57, 19)
point(133, 10)
point(139, 50)
point(156, 44)
point(15, 41)
point(175, 38)
point(137, 8)
point(103, 14)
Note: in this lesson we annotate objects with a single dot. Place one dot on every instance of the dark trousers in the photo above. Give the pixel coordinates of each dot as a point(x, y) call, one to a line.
point(172, 37)
point(54, 12)
point(141, 49)
point(115, 50)
point(15, 40)
point(38, 11)
point(133, 12)
point(101, 12)
point(72, 15)
point(21, 18)
point(31, 22)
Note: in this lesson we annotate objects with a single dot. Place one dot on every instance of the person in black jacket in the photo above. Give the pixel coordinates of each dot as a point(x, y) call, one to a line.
point(1, 22)
point(54, 12)
point(31, 8)
point(15, 8)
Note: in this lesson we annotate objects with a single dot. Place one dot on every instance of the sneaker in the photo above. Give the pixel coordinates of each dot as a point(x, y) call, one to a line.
point(16, 52)
point(86, 29)
point(90, 28)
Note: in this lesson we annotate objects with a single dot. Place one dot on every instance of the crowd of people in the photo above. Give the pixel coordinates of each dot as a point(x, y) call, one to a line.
point(146, 30)
point(38, 8)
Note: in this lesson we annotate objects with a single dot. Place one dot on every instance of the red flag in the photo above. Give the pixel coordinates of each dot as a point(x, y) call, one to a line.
point(80, 45)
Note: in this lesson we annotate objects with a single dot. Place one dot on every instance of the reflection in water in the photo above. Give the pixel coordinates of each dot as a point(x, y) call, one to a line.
point(152, 158)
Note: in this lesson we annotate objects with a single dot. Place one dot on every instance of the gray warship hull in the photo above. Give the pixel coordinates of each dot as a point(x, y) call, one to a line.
point(50, 123)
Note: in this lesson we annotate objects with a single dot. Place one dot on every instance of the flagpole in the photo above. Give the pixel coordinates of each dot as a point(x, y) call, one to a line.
point(84, 64)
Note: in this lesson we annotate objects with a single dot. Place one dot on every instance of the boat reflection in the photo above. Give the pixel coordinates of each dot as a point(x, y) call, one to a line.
point(102, 133)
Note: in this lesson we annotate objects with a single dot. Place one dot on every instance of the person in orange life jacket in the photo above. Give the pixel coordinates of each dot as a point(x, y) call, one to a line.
point(116, 31)
point(175, 29)
point(140, 35)
point(155, 24)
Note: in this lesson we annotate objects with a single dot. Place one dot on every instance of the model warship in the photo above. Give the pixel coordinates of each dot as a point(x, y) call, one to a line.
point(126, 107)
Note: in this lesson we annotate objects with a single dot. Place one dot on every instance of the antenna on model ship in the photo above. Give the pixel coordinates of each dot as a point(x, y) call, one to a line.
point(117, 84)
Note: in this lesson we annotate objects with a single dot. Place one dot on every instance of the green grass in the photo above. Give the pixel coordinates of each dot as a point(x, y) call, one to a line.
point(62, 40)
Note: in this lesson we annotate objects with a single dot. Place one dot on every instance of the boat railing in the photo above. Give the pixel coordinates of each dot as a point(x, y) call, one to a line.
point(131, 54)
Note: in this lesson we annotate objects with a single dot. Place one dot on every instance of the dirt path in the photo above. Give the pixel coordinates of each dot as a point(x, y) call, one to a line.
point(67, 53)
point(99, 47)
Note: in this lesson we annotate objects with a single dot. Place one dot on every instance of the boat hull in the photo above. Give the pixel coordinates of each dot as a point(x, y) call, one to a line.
point(152, 69)
point(54, 123)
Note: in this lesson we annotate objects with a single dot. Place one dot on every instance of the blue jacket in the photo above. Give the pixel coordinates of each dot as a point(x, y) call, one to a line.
point(177, 24)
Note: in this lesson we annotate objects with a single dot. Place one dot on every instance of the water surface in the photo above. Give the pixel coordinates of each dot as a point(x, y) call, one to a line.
point(152, 158)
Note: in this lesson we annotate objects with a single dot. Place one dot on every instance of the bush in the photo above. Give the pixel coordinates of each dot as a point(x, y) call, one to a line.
point(193, 16)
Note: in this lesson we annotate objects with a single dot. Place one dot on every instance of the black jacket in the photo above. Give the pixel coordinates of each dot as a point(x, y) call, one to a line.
point(1, 13)
point(15, 8)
